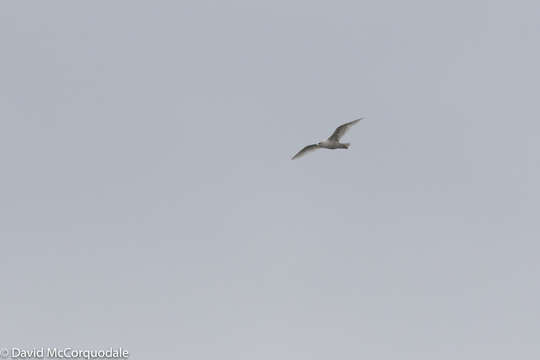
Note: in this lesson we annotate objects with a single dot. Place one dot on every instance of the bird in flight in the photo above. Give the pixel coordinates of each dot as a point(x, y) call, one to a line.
point(332, 142)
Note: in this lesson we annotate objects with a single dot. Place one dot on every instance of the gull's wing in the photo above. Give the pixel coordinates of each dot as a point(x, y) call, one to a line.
point(341, 130)
point(305, 150)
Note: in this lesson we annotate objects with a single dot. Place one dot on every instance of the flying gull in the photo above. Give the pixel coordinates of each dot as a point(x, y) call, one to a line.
point(332, 142)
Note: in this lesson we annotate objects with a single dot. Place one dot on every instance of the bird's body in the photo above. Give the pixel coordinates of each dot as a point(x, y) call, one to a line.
point(332, 142)
point(329, 144)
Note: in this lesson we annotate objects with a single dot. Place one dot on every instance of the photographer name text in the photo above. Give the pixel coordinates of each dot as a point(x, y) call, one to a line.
point(63, 353)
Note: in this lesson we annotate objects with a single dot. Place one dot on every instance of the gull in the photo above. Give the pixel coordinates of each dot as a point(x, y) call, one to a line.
point(332, 142)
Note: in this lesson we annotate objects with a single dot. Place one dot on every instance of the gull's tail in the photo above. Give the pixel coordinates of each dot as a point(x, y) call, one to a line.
point(347, 145)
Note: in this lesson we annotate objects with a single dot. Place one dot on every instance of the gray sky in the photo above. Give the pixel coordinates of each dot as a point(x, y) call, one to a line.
point(148, 199)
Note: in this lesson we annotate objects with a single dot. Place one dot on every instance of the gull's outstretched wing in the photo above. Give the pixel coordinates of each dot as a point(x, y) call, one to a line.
point(341, 130)
point(305, 150)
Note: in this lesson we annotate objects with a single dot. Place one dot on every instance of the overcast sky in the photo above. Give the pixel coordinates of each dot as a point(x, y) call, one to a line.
point(148, 199)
